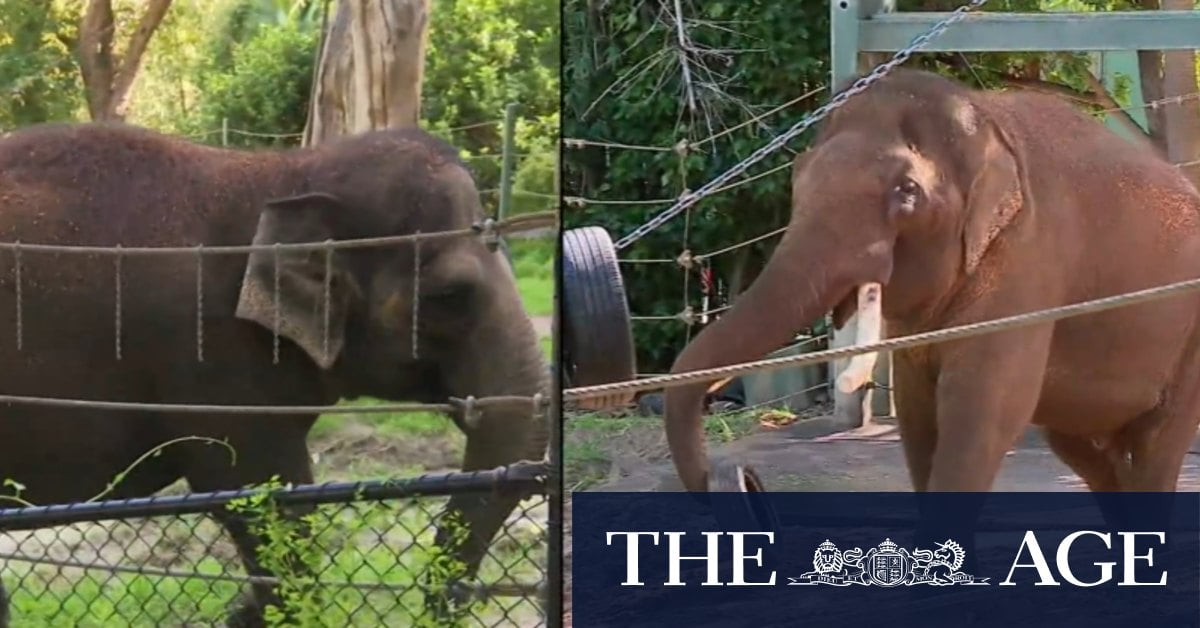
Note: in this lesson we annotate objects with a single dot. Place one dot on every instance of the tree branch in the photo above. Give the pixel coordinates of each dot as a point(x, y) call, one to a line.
point(1047, 87)
point(95, 55)
point(127, 72)
point(1115, 109)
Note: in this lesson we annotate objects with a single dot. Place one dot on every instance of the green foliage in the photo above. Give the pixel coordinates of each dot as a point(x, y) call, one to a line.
point(250, 62)
point(770, 53)
point(288, 553)
point(534, 180)
point(39, 80)
point(623, 67)
point(265, 88)
point(481, 56)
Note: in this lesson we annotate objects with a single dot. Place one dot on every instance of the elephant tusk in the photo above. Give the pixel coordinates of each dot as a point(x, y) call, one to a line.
point(870, 323)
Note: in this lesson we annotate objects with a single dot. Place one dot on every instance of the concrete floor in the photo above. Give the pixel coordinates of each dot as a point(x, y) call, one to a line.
point(800, 458)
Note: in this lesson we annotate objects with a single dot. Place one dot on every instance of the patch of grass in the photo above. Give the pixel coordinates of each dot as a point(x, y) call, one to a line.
point(593, 443)
point(388, 543)
point(533, 264)
point(396, 424)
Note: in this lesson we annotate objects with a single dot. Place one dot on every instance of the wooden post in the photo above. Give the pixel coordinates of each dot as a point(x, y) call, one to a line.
point(507, 162)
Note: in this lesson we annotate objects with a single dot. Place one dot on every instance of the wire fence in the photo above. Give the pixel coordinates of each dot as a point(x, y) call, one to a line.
point(364, 554)
point(687, 260)
point(491, 162)
point(361, 554)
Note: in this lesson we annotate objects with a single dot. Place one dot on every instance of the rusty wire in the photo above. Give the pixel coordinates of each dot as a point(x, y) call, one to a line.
point(486, 228)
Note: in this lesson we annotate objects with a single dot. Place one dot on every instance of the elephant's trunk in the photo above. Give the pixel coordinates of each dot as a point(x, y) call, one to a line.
point(511, 364)
point(802, 281)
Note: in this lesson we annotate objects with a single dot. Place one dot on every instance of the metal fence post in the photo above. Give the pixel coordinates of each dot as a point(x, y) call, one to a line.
point(506, 165)
point(224, 131)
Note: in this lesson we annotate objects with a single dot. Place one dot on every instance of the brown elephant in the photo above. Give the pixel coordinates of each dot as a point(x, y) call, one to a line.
point(110, 185)
point(972, 205)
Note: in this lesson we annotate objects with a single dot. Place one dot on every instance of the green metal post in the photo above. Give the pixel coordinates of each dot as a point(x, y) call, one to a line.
point(843, 49)
point(506, 166)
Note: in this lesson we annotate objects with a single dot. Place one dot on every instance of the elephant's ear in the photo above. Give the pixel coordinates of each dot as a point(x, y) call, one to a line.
point(996, 194)
point(301, 313)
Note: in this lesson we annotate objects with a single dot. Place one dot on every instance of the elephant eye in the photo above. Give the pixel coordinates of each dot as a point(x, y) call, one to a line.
point(450, 291)
point(904, 197)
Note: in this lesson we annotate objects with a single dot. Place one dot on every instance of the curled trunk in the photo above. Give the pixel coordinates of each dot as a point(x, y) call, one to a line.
point(793, 290)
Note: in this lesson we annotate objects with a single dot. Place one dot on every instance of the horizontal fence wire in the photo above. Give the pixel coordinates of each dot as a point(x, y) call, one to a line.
point(367, 550)
point(486, 228)
point(283, 135)
point(167, 561)
point(901, 342)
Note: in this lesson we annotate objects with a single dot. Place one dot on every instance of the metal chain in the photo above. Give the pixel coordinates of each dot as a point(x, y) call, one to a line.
point(902, 342)
point(860, 85)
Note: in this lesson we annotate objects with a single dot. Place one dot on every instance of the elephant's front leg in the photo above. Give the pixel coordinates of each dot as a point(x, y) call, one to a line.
point(471, 520)
point(3, 607)
point(987, 391)
point(915, 394)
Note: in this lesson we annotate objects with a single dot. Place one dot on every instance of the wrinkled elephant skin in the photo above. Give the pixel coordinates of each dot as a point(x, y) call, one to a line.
point(110, 185)
point(967, 206)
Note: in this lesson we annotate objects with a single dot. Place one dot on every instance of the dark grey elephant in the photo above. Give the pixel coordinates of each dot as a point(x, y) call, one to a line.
point(112, 185)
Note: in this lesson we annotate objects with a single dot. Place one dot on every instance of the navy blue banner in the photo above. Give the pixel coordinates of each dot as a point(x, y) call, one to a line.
point(885, 559)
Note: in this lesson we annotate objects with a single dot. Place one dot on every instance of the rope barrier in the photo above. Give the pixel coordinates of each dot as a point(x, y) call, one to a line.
point(200, 408)
point(902, 342)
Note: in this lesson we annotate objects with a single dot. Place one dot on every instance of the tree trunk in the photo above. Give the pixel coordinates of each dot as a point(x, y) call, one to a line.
point(108, 79)
point(371, 67)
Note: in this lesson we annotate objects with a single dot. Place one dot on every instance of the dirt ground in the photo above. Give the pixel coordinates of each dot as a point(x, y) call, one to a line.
point(867, 459)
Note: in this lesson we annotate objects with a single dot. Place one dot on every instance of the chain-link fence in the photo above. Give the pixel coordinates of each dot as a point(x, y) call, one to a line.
point(363, 555)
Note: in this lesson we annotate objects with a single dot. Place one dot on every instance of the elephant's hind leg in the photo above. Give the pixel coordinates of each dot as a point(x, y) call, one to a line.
point(1159, 440)
point(280, 452)
point(1092, 463)
point(1157, 450)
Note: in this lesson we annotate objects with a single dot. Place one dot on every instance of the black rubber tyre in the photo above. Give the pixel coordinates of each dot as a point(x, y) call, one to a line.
point(597, 339)
point(751, 513)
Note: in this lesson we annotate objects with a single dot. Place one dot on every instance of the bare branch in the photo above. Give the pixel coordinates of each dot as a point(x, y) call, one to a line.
point(95, 55)
point(107, 80)
point(132, 60)
point(1100, 92)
